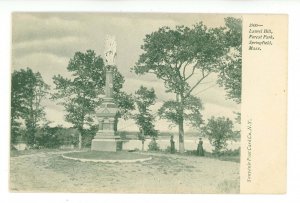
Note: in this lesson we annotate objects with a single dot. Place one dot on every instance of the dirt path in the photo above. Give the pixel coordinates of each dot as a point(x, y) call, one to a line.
point(49, 172)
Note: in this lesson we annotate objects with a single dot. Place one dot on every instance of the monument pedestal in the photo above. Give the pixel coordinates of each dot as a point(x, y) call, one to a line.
point(107, 143)
point(105, 139)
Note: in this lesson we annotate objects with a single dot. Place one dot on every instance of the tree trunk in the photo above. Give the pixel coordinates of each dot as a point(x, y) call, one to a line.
point(79, 141)
point(143, 137)
point(181, 136)
point(80, 137)
point(179, 98)
point(30, 133)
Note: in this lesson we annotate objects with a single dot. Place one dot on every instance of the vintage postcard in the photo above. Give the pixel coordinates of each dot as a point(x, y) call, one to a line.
point(148, 103)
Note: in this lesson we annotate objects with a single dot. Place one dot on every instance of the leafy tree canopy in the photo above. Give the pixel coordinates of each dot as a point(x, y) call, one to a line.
point(144, 98)
point(27, 91)
point(219, 130)
point(177, 55)
point(230, 74)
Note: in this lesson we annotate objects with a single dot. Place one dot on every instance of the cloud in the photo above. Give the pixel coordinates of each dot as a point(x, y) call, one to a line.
point(47, 64)
point(28, 27)
point(217, 111)
point(63, 47)
point(56, 117)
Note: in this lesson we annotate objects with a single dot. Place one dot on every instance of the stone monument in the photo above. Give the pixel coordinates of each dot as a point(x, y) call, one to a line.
point(106, 138)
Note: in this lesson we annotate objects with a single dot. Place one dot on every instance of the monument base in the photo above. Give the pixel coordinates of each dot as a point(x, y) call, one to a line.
point(106, 145)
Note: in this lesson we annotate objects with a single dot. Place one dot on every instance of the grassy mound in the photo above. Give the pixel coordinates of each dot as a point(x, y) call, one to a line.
point(97, 155)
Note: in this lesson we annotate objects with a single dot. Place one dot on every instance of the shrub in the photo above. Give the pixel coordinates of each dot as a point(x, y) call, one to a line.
point(230, 152)
point(67, 136)
point(153, 146)
point(54, 137)
point(88, 135)
point(47, 137)
point(219, 131)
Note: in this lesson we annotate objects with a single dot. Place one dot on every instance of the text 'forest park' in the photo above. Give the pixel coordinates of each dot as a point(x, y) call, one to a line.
point(257, 34)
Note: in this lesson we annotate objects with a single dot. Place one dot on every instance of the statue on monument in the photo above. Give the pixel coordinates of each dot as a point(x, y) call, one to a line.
point(110, 51)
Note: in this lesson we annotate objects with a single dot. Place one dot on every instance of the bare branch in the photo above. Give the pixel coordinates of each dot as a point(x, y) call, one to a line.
point(194, 68)
point(184, 68)
point(197, 83)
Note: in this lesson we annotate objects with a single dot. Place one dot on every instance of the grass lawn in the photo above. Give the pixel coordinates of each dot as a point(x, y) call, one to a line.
point(47, 171)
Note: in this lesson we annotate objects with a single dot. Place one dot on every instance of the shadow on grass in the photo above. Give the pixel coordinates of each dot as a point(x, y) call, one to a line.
point(97, 155)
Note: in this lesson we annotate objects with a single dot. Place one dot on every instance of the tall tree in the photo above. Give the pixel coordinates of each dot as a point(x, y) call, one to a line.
point(81, 94)
point(27, 91)
point(182, 57)
point(144, 98)
point(230, 74)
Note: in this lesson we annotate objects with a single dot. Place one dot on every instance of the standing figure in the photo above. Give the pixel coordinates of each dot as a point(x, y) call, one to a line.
point(172, 142)
point(200, 150)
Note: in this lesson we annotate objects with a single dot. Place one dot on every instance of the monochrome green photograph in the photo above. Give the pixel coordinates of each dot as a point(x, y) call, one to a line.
point(126, 102)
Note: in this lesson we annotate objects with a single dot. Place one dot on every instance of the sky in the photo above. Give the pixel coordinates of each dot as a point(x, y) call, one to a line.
point(45, 42)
